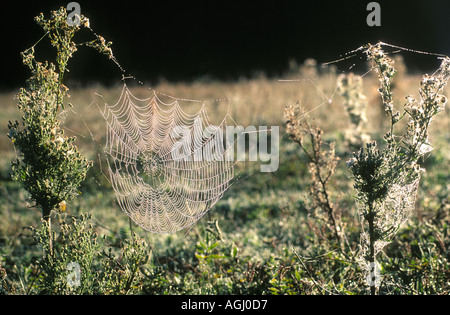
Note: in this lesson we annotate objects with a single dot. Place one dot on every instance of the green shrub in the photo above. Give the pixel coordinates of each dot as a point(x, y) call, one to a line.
point(77, 263)
point(49, 165)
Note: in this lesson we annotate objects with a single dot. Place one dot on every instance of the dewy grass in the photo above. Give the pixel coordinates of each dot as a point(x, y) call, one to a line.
point(386, 180)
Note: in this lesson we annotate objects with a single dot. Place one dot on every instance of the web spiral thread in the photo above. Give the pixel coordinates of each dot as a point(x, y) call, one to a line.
point(160, 189)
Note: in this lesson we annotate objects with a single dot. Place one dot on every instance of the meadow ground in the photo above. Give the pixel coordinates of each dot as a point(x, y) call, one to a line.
point(263, 236)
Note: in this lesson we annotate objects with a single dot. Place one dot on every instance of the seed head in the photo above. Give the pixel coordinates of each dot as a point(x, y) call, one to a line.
point(59, 140)
point(62, 206)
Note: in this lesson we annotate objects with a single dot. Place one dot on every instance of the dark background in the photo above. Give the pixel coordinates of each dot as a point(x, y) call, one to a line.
point(226, 40)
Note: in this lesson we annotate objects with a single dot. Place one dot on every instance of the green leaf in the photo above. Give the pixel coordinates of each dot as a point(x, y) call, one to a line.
point(201, 246)
point(213, 246)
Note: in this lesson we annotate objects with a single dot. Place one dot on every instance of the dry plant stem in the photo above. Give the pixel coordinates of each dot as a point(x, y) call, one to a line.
point(323, 183)
point(321, 165)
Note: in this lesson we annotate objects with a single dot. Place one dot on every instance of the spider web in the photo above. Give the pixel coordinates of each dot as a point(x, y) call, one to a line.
point(159, 188)
point(163, 194)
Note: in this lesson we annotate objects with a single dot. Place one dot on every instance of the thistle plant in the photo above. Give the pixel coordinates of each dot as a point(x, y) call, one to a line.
point(386, 180)
point(49, 165)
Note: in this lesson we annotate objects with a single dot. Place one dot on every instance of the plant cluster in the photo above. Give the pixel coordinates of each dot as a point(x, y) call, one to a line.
point(100, 271)
point(386, 180)
point(49, 166)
